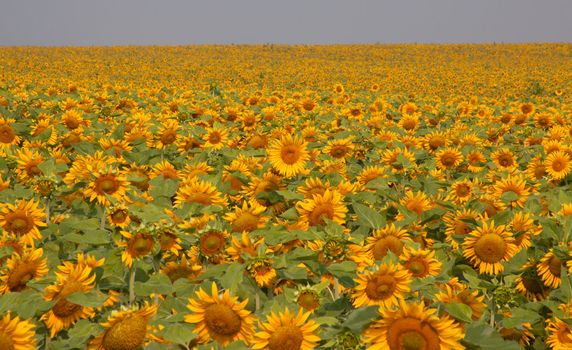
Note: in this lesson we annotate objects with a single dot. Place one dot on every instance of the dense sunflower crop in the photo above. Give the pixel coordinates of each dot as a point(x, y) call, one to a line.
point(286, 197)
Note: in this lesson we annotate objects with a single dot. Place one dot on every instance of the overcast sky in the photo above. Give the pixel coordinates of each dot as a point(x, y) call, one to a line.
point(174, 22)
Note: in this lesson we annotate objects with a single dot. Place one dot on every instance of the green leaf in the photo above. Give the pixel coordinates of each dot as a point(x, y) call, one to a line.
point(161, 187)
point(509, 196)
point(368, 216)
point(48, 167)
point(487, 338)
point(358, 319)
point(291, 196)
point(94, 237)
point(233, 275)
point(91, 299)
point(343, 269)
point(178, 333)
point(520, 316)
point(460, 311)
point(157, 284)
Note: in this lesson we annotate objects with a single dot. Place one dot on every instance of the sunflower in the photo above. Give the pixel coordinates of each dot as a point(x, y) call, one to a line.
point(370, 173)
point(448, 158)
point(288, 155)
point(384, 287)
point(559, 335)
point(215, 138)
point(212, 243)
point(462, 191)
point(504, 158)
point(330, 206)
point(459, 293)
point(195, 169)
point(523, 334)
point(262, 272)
point(167, 134)
point(248, 218)
point(558, 165)
point(395, 159)
point(198, 191)
point(165, 169)
point(549, 269)
point(65, 313)
point(287, 331)
point(523, 228)
point(187, 268)
point(16, 334)
point(22, 220)
point(413, 326)
point(421, 263)
point(125, 330)
point(73, 119)
point(28, 161)
point(383, 240)
point(476, 161)
point(106, 182)
point(514, 185)
point(220, 317)
point(244, 245)
point(312, 186)
point(21, 268)
point(531, 286)
point(340, 148)
point(416, 202)
point(487, 246)
point(138, 244)
point(119, 216)
point(536, 169)
point(8, 136)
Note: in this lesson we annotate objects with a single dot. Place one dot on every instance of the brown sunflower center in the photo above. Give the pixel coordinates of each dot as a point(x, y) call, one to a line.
point(505, 160)
point(6, 342)
point(558, 165)
point(127, 334)
point(214, 137)
point(412, 334)
point(245, 222)
point(6, 134)
point(212, 243)
point(448, 159)
point(286, 338)
point(380, 287)
point(409, 124)
point(389, 243)
point(539, 171)
point(119, 216)
point(461, 228)
point(106, 184)
point(201, 198)
point(290, 154)
point(417, 267)
point(18, 224)
point(142, 245)
point(64, 308)
point(463, 190)
point(555, 266)
point(179, 272)
point(436, 142)
point(222, 320)
point(321, 211)
point(20, 275)
point(168, 137)
point(490, 248)
point(308, 300)
point(32, 170)
point(532, 285)
point(339, 151)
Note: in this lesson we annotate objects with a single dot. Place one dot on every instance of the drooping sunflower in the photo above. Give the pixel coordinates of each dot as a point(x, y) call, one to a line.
point(487, 246)
point(21, 268)
point(125, 330)
point(244, 245)
point(558, 165)
point(417, 202)
point(287, 331)
point(188, 268)
point(370, 173)
point(383, 240)
point(17, 334)
point(531, 286)
point(330, 206)
point(65, 313)
point(421, 263)
point(456, 292)
point(248, 217)
point(288, 155)
point(137, 245)
point(523, 334)
point(559, 334)
point(413, 326)
point(391, 159)
point(384, 287)
point(262, 272)
point(107, 182)
point(448, 158)
point(198, 191)
point(23, 220)
point(221, 318)
point(549, 269)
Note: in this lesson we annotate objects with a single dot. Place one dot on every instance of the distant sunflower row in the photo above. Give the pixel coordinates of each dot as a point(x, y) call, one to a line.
point(248, 217)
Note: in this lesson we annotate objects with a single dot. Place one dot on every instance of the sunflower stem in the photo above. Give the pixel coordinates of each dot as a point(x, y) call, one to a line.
point(132, 286)
point(257, 301)
point(47, 210)
point(102, 221)
point(492, 313)
point(336, 289)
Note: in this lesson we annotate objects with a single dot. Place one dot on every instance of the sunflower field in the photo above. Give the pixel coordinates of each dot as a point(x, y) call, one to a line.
point(286, 197)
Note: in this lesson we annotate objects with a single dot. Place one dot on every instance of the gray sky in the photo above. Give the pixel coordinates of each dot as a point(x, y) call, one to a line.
point(174, 22)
